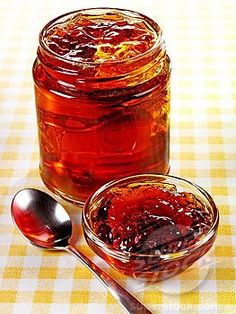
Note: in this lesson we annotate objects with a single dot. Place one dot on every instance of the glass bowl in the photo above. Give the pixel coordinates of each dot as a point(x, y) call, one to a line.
point(153, 265)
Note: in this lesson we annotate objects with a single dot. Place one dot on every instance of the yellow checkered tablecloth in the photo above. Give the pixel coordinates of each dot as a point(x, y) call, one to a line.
point(201, 40)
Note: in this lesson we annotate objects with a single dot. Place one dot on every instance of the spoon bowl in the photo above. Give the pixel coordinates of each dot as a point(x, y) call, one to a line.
point(41, 219)
point(45, 223)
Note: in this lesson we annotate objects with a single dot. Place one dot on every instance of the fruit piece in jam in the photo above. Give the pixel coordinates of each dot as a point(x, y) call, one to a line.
point(151, 219)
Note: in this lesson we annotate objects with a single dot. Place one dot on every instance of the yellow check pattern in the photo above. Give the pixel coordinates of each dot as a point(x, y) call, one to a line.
point(201, 40)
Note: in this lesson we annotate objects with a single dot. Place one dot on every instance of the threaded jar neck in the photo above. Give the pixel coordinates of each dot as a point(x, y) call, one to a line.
point(69, 46)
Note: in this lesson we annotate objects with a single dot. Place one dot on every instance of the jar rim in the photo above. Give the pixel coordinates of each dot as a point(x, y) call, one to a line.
point(162, 257)
point(157, 44)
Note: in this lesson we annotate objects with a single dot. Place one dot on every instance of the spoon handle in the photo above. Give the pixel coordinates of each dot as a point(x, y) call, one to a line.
point(129, 303)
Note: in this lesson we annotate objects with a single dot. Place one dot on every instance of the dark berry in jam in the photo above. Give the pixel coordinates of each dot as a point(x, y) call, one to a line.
point(151, 219)
point(104, 233)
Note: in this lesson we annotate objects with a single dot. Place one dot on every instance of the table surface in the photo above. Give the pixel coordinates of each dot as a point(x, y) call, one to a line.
point(201, 40)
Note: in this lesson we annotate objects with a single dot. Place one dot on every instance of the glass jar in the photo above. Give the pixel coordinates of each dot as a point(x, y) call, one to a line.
point(101, 118)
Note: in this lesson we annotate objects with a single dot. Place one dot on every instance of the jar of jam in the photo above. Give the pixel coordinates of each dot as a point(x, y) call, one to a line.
point(102, 98)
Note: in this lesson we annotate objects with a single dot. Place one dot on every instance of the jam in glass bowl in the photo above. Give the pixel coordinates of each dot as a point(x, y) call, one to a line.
point(150, 226)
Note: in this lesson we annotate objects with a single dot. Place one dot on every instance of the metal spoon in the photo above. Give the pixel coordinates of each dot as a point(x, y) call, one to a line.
point(46, 224)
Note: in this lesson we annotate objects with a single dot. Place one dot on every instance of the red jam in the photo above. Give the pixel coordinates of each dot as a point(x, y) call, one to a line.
point(102, 99)
point(149, 226)
point(153, 219)
point(96, 39)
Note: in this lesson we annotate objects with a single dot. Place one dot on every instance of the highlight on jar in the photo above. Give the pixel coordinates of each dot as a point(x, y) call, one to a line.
point(102, 90)
point(150, 227)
